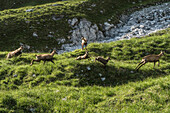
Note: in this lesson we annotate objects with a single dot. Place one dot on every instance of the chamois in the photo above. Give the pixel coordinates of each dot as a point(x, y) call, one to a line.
point(17, 52)
point(150, 58)
point(83, 57)
point(102, 60)
point(84, 42)
point(44, 57)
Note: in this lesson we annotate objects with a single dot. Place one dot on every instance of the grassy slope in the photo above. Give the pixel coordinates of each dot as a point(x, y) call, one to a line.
point(72, 86)
point(17, 26)
point(8, 4)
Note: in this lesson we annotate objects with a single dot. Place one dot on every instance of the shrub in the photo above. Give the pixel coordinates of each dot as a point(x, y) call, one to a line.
point(9, 102)
point(51, 78)
point(58, 73)
point(27, 104)
point(16, 81)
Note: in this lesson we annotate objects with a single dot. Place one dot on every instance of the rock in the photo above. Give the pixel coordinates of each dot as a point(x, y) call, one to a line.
point(50, 36)
point(56, 18)
point(124, 18)
point(142, 26)
point(93, 5)
point(74, 21)
point(83, 23)
point(29, 10)
point(137, 24)
point(107, 26)
point(57, 4)
point(34, 75)
point(89, 9)
point(32, 110)
point(27, 46)
point(88, 68)
point(100, 74)
point(27, 22)
point(35, 34)
point(100, 35)
point(15, 75)
point(95, 27)
point(103, 79)
point(131, 23)
point(64, 98)
point(92, 34)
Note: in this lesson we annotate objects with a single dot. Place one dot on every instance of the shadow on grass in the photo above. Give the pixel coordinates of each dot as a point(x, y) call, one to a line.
point(79, 73)
point(96, 74)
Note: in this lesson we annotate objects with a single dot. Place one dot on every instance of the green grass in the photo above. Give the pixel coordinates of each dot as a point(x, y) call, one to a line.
point(153, 97)
point(17, 25)
point(22, 3)
point(79, 86)
point(72, 85)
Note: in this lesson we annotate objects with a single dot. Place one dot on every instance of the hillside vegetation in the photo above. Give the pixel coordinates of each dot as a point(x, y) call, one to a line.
point(41, 26)
point(72, 85)
point(69, 85)
point(12, 4)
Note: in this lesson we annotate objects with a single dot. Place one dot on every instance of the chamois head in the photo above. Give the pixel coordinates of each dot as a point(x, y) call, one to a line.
point(108, 58)
point(21, 47)
point(54, 51)
point(82, 38)
point(162, 53)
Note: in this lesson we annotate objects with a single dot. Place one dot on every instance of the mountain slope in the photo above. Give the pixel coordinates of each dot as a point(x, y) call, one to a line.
point(41, 27)
point(72, 85)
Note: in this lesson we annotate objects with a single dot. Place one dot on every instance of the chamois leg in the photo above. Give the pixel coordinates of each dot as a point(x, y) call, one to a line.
point(33, 62)
point(95, 60)
point(158, 63)
point(52, 61)
point(8, 56)
point(20, 55)
point(154, 65)
point(44, 61)
point(85, 47)
point(82, 45)
point(141, 65)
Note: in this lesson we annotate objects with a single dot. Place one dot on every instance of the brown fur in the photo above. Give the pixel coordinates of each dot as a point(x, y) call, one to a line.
point(84, 42)
point(44, 57)
point(150, 58)
point(17, 52)
point(83, 57)
point(102, 60)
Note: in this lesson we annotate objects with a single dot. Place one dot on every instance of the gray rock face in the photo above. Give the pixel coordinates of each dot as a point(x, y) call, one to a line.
point(138, 24)
point(85, 29)
point(141, 23)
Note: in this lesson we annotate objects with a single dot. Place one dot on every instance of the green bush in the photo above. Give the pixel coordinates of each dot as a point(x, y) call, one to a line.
point(50, 78)
point(9, 102)
point(58, 73)
point(27, 104)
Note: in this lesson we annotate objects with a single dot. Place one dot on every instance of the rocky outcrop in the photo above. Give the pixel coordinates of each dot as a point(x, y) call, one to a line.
point(86, 29)
point(139, 23)
point(82, 28)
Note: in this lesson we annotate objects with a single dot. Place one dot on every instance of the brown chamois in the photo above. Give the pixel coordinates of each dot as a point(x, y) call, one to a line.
point(17, 52)
point(150, 58)
point(102, 60)
point(84, 42)
point(44, 57)
point(83, 57)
